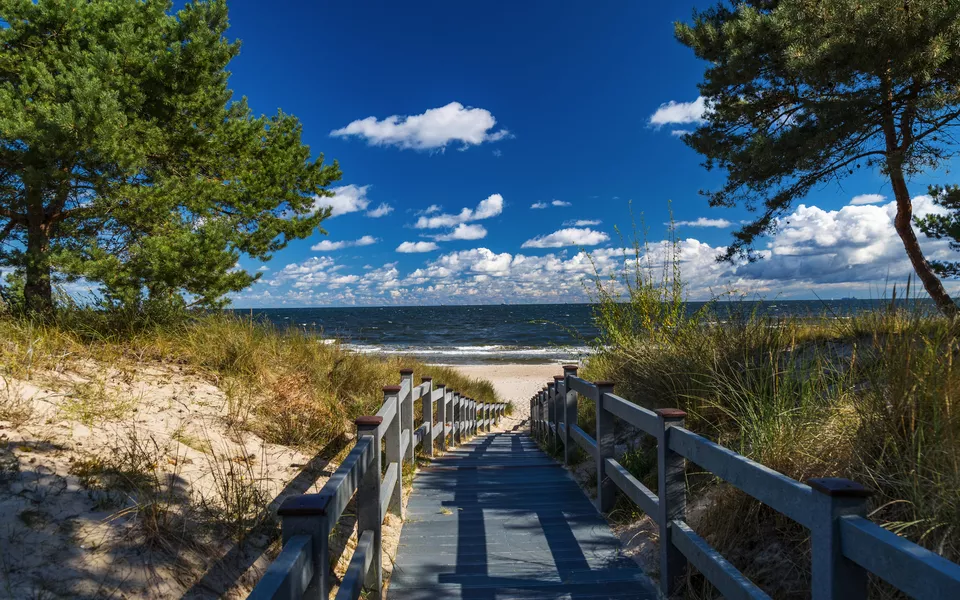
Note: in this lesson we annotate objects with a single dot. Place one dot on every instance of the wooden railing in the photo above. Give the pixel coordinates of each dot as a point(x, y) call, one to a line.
point(372, 471)
point(845, 544)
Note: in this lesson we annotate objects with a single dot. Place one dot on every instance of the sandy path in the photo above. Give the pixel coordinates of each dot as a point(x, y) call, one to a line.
point(515, 383)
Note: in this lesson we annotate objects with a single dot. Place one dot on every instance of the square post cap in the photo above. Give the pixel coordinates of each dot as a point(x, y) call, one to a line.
point(406, 371)
point(368, 421)
point(671, 413)
point(838, 486)
point(426, 378)
point(391, 389)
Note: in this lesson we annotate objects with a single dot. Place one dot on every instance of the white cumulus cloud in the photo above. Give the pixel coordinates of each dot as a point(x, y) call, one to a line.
point(704, 222)
point(572, 236)
point(582, 223)
point(490, 207)
point(434, 129)
point(867, 199)
point(539, 205)
point(680, 113)
point(463, 231)
point(345, 199)
point(381, 211)
point(411, 247)
point(328, 246)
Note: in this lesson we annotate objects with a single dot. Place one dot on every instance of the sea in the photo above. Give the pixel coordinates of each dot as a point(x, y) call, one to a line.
point(515, 333)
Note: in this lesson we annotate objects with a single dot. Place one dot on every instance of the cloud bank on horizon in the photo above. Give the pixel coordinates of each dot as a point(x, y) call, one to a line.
point(852, 247)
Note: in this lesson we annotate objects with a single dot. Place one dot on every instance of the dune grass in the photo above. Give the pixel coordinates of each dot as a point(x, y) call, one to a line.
point(285, 385)
point(872, 398)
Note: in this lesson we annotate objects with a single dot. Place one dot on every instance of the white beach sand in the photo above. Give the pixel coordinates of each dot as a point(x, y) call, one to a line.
point(514, 382)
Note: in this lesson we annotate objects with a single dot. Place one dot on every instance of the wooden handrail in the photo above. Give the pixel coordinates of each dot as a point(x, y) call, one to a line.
point(373, 476)
point(845, 544)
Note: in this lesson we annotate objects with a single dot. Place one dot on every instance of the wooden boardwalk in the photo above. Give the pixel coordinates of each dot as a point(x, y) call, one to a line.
point(498, 518)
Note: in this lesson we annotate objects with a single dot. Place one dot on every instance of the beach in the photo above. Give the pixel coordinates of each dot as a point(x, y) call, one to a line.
point(514, 383)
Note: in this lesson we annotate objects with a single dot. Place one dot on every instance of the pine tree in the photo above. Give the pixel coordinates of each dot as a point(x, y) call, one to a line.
point(125, 161)
point(805, 92)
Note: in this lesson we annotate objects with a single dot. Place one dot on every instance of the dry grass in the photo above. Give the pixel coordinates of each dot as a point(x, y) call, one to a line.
point(15, 407)
point(872, 399)
point(283, 385)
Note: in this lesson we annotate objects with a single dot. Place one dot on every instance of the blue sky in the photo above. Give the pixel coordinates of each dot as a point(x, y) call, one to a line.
point(484, 111)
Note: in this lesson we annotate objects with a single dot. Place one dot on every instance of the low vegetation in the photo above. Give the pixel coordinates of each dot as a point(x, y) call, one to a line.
point(178, 434)
point(870, 397)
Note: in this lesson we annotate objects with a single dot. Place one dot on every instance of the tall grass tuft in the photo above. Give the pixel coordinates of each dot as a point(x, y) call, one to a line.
point(871, 398)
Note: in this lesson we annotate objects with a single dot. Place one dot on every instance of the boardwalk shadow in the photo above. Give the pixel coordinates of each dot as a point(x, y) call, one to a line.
point(523, 529)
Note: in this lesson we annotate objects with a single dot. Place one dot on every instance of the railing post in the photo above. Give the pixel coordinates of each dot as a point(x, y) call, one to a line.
point(407, 423)
point(368, 500)
point(428, 416)
point(672, 488)
point(392, 450)
point(472, 411)
point(834, 576)
point(457, 410)
point(570, 411)
point(554, 432)
point(442, 416)
point(606, 488)
point(296, 520)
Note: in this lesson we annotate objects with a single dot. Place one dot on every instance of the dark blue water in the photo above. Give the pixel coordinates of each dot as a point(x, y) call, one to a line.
point(514, 333)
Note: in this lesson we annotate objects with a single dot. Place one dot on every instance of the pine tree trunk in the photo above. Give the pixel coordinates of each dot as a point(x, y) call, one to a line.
point(38, 290)
point(904, 226)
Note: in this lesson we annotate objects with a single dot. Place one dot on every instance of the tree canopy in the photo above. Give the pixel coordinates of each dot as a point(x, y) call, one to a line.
point(124, 159)
point(802, 93)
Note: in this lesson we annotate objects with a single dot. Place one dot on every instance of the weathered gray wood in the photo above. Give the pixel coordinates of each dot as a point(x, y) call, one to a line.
point(725, 577)
point(637, 416)
point(457, 409)
point(392, 450)
point(318, 530)
point(584, 440)
point(363, 556)
point(672, 500)
point(428, 416)
point(569, 400)
point(777, 491)
point(585, 388)
point(388, 487)
point(910, 568)
point(388, 412)
point(833, 576)
point(289, 575)
point(606, 489)
point(632, 488)
point(442, 416)
point(406, 414)
point(370, 507)
point(497, 518)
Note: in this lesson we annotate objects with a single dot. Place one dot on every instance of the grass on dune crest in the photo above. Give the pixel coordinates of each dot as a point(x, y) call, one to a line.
point(285, 385)
point(873, 398)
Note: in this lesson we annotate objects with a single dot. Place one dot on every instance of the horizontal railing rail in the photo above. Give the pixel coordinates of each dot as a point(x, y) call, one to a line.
point(371, 473)
point(845, 544)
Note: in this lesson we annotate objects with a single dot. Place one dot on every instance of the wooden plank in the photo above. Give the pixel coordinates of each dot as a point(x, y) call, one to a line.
point(776, 490)
point(387, 412)
point(724, 576)
point(584, 440)
point(386, 487)
point(639, 417)
point(910, 568)
point(629, 485)
point(352, 583)
point(497, 518)
point(584, 388)
point(289, 575)
point(419, 434)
